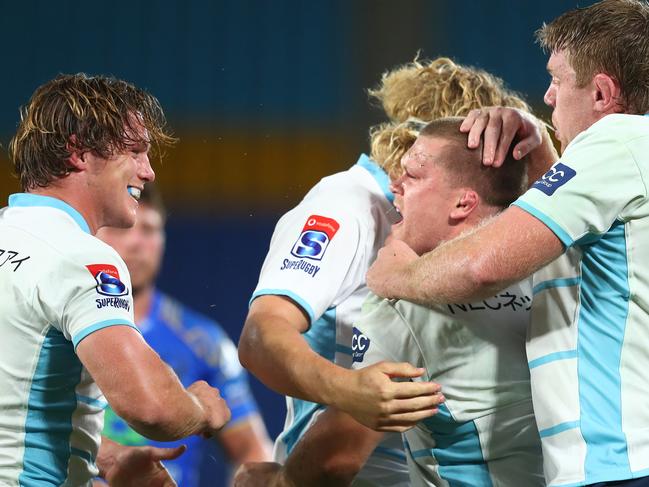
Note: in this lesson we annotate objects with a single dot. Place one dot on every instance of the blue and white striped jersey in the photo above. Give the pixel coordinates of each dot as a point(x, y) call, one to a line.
point(587, 346)
point(484, 435)
point(58, 284)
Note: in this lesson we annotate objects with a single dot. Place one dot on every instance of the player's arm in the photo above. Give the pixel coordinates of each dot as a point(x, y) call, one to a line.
point(135, 466)
point(499, 127)
point(144, 391)
point(508, 248)
point(246, 441)
point(273, 349)
point(330, 454)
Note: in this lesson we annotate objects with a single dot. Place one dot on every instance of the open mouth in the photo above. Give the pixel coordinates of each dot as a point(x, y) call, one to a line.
point(135, 192)
point(394, 215)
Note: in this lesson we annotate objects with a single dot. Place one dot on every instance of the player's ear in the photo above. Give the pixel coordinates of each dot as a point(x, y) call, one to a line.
point(607, 94)
point(77, 157)
point(467, 201)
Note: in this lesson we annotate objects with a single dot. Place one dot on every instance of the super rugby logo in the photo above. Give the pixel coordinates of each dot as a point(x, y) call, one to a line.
point(316, 234)
point(557, 176)
point(107, 278)
point(360, 344)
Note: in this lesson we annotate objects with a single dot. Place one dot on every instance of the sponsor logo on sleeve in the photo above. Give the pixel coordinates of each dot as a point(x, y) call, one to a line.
point(360, 344)
point(316, 234)
point(557, 176)
point(107, 279)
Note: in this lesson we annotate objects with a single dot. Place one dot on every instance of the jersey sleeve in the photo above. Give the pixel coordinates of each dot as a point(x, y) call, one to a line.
point(596, 182)
point(81, 295)
point(382, 334)
point(311, 254)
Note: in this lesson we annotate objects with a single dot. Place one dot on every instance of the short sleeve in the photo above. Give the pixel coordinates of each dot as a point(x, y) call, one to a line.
point(82, 295)
point(382, 334)
point(596, 182)
point(310, 256)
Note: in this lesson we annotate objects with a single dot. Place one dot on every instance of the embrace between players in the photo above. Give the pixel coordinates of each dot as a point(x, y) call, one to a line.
point(452, 301)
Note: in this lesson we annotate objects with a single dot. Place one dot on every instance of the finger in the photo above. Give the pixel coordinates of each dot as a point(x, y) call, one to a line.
point(414, 404)
point(159, 453)
point(524, 147)
point(401, 423)
point(407, 419)
point(492, 136)
point(477, 130)
point(469, 120)
point(401, 369)
point(408, 390)
point(507, 134)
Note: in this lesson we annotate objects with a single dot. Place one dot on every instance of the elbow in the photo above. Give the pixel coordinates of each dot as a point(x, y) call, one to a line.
point(247, 344)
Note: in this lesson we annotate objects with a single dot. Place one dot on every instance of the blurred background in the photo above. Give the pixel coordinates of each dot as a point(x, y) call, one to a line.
point(266, 96)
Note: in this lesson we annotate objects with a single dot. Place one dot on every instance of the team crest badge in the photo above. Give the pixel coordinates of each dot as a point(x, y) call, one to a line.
point(108, 281)
point(316, 234)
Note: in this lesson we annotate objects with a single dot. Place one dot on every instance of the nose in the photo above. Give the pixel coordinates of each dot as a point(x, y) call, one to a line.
point(550, 96)
point(145, 171)
point(395, 185)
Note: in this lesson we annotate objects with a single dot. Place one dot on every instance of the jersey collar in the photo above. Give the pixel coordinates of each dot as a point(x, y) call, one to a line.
point(378, 174)
point(30, 199)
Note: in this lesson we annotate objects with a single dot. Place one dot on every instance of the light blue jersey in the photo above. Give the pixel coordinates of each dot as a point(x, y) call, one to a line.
point(484, 435)
point(58, 284)
point(587, 346)
point(319, 254)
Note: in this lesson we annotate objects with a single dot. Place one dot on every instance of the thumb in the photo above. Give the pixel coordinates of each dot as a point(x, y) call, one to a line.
point(401, 369)
point(158, 453)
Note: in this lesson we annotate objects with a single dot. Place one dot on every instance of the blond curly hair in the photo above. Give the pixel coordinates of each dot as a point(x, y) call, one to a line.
point(427, 90)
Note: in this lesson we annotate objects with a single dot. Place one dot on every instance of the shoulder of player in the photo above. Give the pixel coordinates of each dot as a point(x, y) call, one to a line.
point(618, 128)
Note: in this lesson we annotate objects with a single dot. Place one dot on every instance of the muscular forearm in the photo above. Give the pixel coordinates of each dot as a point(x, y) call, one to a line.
point(278, 355)
point(139, 386)
point(168, 412)
point(477, 265)
point(332, 452)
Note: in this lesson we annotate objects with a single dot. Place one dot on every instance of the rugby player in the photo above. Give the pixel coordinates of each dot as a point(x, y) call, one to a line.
point(589, 216)
point(69, 343)
point(299, 322)
point(196, 348)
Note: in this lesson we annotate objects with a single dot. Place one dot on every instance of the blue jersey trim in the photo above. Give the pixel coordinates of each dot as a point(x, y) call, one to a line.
point(321, 337)
point(552, 357)
point(343, 349)
point(29, 199)
point(285, 292)
point(549, 222)
point(458, 451)
point(51, 404)
point(378, 174)
point(98, 326)
point(98, 403)
point(558, 428)
point(604, 307)
point(552, 283)
point(303, 414)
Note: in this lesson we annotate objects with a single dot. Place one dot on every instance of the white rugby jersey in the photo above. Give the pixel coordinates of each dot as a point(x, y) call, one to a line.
point(58, 284)
point(587, 346)
point(319, 254)
point(484, 435)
